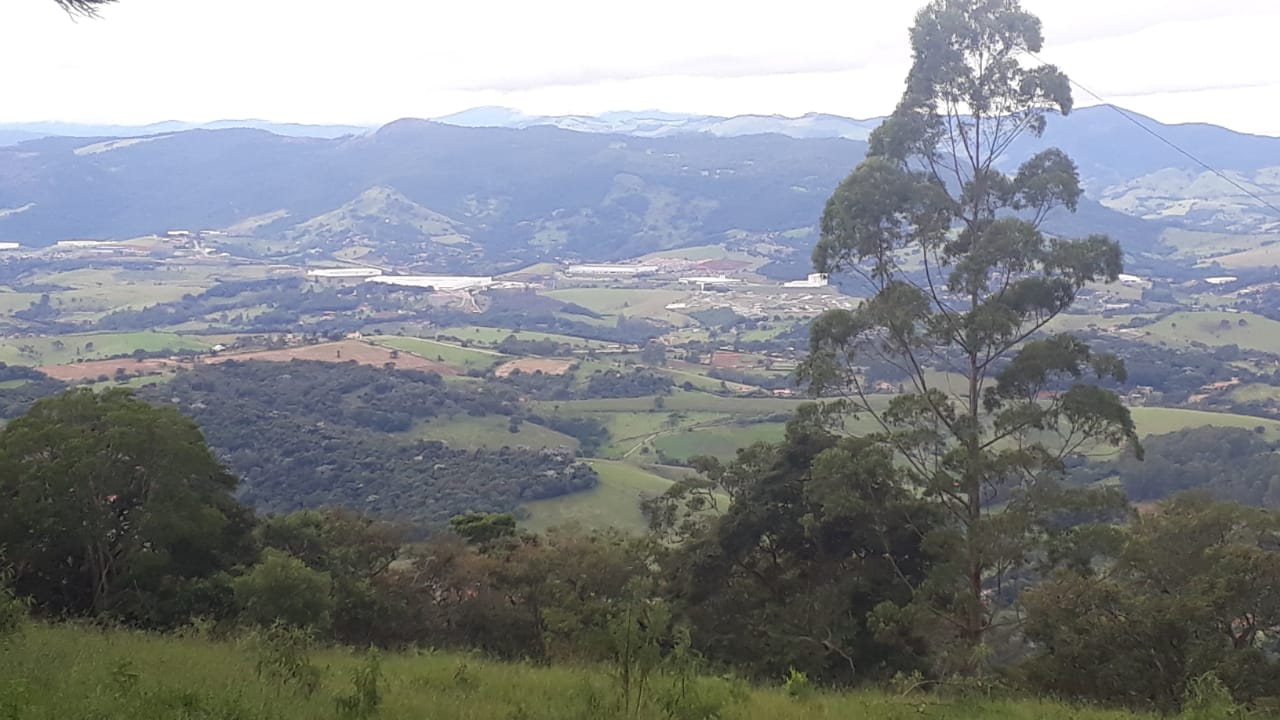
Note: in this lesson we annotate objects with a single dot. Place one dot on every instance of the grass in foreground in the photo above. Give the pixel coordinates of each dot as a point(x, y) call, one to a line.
point(65, 672)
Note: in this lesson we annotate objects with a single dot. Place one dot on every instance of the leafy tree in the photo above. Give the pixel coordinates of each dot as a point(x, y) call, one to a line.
point(982, 281)
point(115, 506)
point(1193, 589)
point(811, 565)
point(356, 551)
point(484, 529)
point(282, 589)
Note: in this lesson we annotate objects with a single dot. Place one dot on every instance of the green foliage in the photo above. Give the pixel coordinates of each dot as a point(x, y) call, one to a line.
point(1230, 463)
point(984, 280)
point(1191, 590)
point(484, 529)
point(282, 590)
point(366, 695)
point(817, 555)
point(117, 508)
point(13, 611)
point(314, 434)
point(66, 672)
point(1208, 699)
point(283, 658)
point(797, 685)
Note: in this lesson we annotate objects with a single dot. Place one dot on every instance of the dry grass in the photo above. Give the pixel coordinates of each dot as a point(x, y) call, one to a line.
point(546, 366)
point(343, 351)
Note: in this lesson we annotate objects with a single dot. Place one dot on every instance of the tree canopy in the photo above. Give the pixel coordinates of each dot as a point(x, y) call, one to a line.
point(965, 281)
point(113, 506)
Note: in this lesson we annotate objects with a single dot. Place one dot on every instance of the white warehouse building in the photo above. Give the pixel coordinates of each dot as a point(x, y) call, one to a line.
point(438, 282)
point(815, 280)
point(344, 273)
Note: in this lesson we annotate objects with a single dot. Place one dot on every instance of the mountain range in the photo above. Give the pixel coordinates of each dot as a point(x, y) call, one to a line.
point(491, 188)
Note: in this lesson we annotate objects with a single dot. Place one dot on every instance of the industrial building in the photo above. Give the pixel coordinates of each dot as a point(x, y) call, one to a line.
point(437, 282)
point(704, 280)
point(815, 280)
point(612, 270)
point(345, 273)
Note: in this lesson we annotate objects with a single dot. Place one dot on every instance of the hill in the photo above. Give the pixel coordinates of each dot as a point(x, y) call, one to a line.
point(1125, 168)
point(519, 195)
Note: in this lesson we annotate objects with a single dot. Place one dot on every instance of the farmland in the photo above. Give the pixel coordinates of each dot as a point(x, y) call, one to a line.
point(614, 503)
point(344, 351)
point(454, 355)
point(546, 366)
point(701, 414)
point(63, 349)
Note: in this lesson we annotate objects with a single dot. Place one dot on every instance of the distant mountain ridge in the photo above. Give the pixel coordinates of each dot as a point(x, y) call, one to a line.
point(491, 187)
point(12, 133)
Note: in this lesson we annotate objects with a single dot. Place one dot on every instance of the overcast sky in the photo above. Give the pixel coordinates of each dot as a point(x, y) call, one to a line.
point(372, 61)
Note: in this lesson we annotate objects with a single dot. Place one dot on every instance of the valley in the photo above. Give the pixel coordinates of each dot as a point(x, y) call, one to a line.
point(634, 367)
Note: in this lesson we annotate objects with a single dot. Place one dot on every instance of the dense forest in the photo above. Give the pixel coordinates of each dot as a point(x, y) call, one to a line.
point(317, 434)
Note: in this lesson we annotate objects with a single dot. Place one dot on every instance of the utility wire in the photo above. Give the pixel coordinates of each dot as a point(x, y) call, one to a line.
point(1232, 181)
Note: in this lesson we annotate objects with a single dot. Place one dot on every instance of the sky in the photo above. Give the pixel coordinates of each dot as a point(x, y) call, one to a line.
point(373, 61)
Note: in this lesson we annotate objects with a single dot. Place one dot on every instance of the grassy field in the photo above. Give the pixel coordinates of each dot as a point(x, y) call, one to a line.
point(629, 302)
point(91, 292)
point(721, 441)
point(65, 672)
point(68, 348)
point(494, 336)
point(455, 355)
point(1157, 421)
point(1266, 256)
point(1255, 393)
point(1216, 328)
point(492, 431)
point(614, 503)
point(683, 400)
point(1206, 245)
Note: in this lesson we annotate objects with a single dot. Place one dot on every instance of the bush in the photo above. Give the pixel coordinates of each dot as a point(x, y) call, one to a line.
point(283, 590)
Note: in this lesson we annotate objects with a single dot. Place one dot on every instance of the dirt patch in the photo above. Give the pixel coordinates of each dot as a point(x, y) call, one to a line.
point(94, 369)
point(343, 351)
point(548, 366)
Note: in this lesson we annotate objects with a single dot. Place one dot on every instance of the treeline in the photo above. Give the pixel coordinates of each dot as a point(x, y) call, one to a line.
point(625, 330)
point(631, 383)
point(235, 304)
point(314, 434)
point(800, 559)
point(21, 386)
point(1230, 464)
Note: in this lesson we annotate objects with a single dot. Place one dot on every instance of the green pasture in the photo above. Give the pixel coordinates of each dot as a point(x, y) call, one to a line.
point(614, 503)
point(1158, 421)
point(1216, 328)
point(63, 349)
point(454, 355)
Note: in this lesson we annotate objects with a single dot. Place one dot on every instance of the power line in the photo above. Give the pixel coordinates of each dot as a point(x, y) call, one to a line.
point(1232, 181)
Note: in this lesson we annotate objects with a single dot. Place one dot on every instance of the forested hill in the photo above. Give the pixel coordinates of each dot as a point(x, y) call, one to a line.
point(532, 192)
point(318, 434)
point(444, 197)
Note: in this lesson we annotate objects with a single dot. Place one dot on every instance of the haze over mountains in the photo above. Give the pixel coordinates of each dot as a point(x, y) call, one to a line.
point(490, 188)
